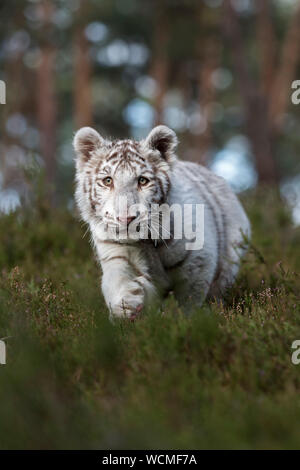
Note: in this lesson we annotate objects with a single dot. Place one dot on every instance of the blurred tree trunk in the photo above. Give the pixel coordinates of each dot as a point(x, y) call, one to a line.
point(202, 89)
point(281, 90)
point(266, 102)
point(83, 114)
point(209, 52)
point(267, 45)
point(46, 98)
point(160, 64)
point(254, 101)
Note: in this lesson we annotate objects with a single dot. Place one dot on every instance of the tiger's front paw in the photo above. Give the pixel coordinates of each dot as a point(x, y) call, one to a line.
point(129, 302)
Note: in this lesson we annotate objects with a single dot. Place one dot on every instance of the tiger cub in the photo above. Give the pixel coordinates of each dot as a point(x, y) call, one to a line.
point(121, 187)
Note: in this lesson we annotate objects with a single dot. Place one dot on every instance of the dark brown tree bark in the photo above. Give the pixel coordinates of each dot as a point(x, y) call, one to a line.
point(281, 89)
point(160, 64)
point(267, 45)
point(47, 110)
point(47, 100)
point(209, 54)
point(83, 113)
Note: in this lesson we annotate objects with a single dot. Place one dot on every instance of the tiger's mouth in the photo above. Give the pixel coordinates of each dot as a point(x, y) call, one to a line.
point(135, 224)
point(136, 229)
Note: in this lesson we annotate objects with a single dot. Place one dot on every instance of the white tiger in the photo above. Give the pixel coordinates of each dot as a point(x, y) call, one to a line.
point(136, 271)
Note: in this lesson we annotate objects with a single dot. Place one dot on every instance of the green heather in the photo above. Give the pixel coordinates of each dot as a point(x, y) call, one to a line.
point(220, 378)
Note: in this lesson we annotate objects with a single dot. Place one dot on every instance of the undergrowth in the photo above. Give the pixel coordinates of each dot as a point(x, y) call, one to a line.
point(220, 378)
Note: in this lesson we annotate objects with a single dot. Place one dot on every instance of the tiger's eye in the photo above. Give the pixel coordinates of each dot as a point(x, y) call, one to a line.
point(107, 181)
point(143, 181)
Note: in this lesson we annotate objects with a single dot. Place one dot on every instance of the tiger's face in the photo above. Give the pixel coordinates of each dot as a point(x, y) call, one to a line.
point(117, 182)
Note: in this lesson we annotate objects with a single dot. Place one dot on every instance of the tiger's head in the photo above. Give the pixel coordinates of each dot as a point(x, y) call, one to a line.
point(118, 181)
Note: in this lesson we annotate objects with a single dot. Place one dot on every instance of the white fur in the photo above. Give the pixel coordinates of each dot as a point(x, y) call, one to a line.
point(136, 271)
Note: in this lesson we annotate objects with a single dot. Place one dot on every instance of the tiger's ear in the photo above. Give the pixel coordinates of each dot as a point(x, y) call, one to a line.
point(164, 140)
point(86, 141)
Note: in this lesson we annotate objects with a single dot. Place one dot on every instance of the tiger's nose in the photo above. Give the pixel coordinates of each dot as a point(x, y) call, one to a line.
point(126, 220)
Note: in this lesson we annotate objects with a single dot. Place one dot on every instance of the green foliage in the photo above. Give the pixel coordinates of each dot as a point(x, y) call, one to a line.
point(220, 378)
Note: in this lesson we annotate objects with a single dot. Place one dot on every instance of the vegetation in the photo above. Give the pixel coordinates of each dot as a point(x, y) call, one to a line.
point(220, 378)
point(219, 73)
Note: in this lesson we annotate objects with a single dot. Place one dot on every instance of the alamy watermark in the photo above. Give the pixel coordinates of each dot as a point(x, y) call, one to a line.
point(2, 92)
point(296, 94)
point(296, 354)
point(2, 352)
point(158, 222)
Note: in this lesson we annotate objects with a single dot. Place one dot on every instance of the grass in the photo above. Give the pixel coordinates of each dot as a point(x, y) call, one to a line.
point(221, 378)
